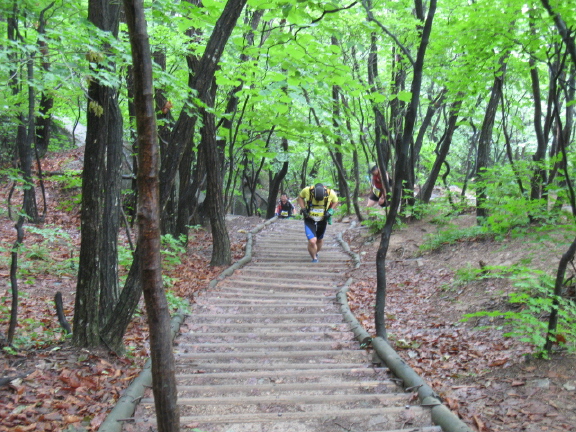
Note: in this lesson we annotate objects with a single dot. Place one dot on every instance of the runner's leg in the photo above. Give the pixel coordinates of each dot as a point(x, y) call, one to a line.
point(310, 228)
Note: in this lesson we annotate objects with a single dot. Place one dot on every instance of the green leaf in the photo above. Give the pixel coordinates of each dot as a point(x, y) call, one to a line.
point(404, 96)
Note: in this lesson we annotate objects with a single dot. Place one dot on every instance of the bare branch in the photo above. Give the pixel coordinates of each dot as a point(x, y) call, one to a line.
point(388, 32)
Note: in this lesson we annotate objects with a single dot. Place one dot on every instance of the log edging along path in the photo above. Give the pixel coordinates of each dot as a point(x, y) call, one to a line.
point(127, 403)
point(441, 415)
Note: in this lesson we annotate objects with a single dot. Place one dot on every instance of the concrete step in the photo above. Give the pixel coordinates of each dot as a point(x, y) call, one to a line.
point(271, 327)
point(286, 375)
point(265, 319)
point(319, 421)
point(199, 367)
point(250, 336)
point(310, 355)
point(295, 285)
point(268, 346)
point(263, 293)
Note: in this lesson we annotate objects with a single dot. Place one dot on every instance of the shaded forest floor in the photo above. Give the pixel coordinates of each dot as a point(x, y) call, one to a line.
point(491, 381)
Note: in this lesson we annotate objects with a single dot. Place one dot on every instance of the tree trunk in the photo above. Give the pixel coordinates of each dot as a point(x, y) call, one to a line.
point(44, 120)
point(130, 295)
point(275, 182)
point(96, 295)
point(400, 174)
point(381, 132)
point(201, 82)
point(221, 254)
point(539, 174)
point(441, 154)
point(485, 139)
point(163, 365)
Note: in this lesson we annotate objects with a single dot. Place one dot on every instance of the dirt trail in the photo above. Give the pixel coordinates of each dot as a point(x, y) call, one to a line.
point(267, 350)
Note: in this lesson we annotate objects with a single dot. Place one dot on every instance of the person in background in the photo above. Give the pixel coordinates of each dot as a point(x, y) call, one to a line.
point(378, 191)
point(285, 208)
point(317, 203)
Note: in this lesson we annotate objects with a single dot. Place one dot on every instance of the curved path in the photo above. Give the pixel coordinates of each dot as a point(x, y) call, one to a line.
point(267, 351)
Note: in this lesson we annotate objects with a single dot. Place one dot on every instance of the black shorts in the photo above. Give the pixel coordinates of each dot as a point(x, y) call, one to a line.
point(315, 229)
point(373, 197)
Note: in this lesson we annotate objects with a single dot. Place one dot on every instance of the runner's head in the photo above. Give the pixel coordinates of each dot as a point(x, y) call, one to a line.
point(284, 198)
point(318, 191)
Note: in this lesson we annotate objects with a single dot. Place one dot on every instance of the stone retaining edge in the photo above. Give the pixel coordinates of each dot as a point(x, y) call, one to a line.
point(127, 403)
point(441, 415)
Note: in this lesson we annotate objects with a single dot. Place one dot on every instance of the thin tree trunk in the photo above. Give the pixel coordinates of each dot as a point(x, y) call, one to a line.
point(44, 120)
point(539, 174)
point(442, 152)
point(163, 364)
point(400, 174)
point(485, 139)
point(14, 281)
point(275, 182)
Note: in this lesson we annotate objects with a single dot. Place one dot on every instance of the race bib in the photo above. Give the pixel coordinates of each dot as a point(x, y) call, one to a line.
point(316, 214)
point(284, 213)
point(376, 191)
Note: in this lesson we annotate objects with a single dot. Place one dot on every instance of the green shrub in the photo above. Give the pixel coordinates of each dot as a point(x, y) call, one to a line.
point(533, 301)
point(452, 235)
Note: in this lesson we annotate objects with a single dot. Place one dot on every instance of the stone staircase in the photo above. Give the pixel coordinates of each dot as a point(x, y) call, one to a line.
point(267, 351)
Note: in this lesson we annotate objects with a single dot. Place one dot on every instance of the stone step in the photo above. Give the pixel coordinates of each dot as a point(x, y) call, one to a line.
point(295, 272)
point(214, 302)
point(284, 376)
point(330, 399)
point(293, 279)
point(330, 335)
point(317, 267)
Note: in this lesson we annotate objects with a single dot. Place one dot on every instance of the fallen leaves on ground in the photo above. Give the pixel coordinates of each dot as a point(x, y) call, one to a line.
point(481, 375)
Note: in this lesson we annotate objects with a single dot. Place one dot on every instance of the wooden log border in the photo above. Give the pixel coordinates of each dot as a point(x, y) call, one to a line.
point(411, 381)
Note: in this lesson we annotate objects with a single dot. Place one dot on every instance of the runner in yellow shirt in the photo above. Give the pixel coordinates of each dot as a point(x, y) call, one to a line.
point(317, 203)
